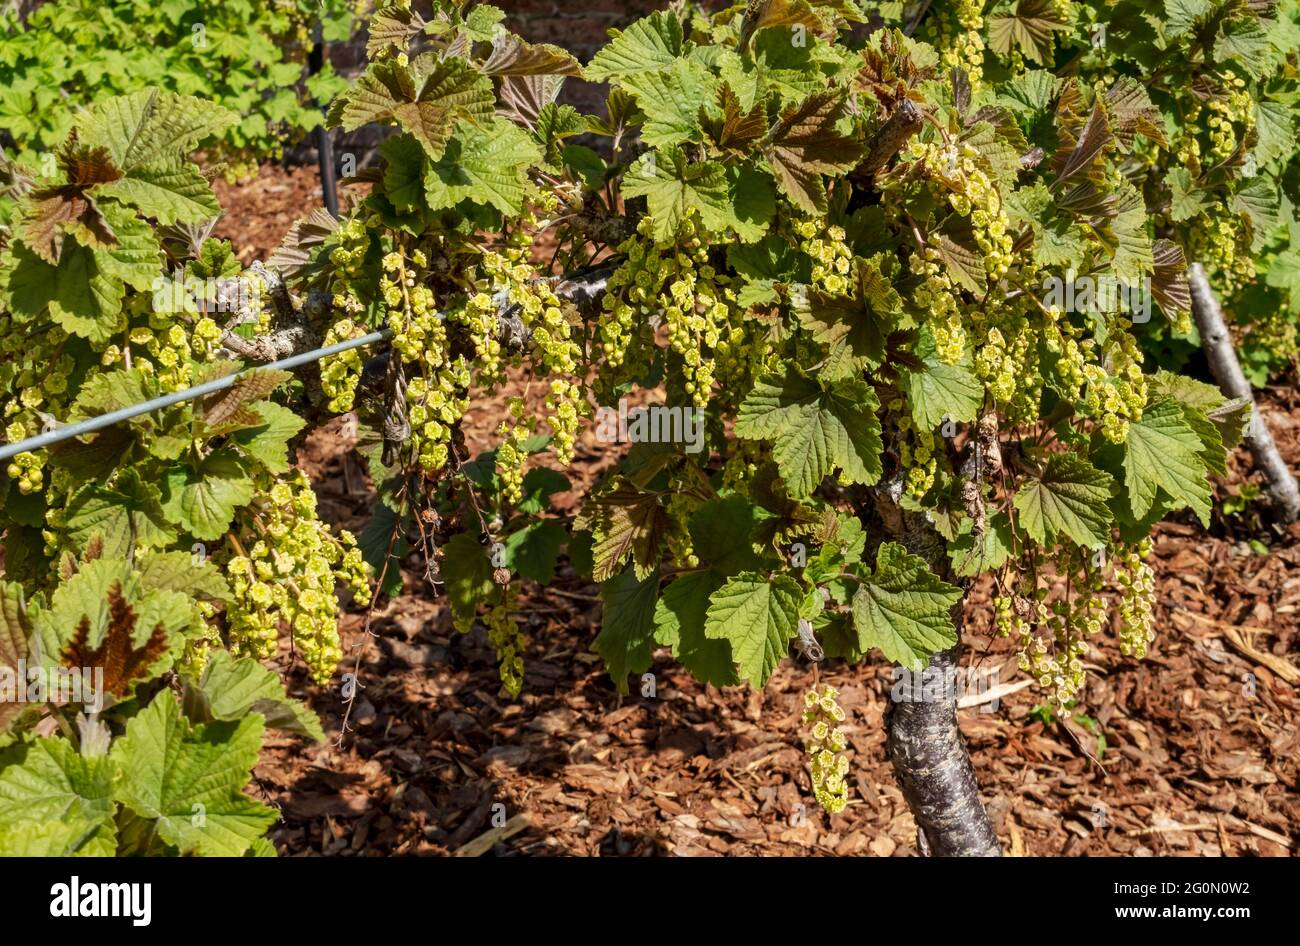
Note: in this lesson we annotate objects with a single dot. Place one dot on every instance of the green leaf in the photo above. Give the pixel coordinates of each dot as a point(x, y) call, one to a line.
point(1028, 25)
point(627, 624)
point(671, 100)
point(1070, 496)
point(647, 45)
point(904, 609)
point(233, 687)
point(1186, 199)
point(126, 517)
point(188, 780)
point(171, 191)
point(675, 187)
point(485, 165)
point(55, 784)
point(758, 617)
point(268, 442)
point(940, 391)
point(816, 430)
point(1163, 452)
point(533, 551)
point(1276, 128)
point(679, 625)
point(204, 501)
point(971, 557)
point(1259, 200)
point(467, 571)
point(150, 125)
point(722, 535)
point(184, 572)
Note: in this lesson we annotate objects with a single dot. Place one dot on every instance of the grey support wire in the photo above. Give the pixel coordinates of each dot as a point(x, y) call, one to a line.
point(69, 431)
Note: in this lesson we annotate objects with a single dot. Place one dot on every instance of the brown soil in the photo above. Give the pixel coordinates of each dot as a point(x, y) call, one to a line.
point(1192, 751)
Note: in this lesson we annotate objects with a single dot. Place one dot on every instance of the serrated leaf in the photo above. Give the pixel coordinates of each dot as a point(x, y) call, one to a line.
point(1276, 128)
point(467, 572)
point(118, 650)
point(267, 442)
point(1169, 278)
point(204, 500)
point(1163, 452)
point(188, 780)
point(1028, 25)
point(940, 391)
point(485, 165)
point(671, 100)
point(184, 572)
point(816, 430)
point(852, 326)
point(250, 386)
point(627, 624)
point(758, 617)
point(170, 191)
point(971, 556)
point(533, 551)
point(150, 125)
point(649, 44)
point(626, 521)
point(125, 517)
point(233, 687)
point(675, 188)
point(1070, 496)
point(904, 609)
point(805, 144)
point(1187, 200)
point(15, 636)
point(735, 130)
point(679, 625)
point(1259, 200)
point(54, 784)
point(511, 56)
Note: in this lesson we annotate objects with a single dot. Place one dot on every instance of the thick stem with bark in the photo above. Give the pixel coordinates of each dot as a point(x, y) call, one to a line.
point(1216, 341)
point(932, 766)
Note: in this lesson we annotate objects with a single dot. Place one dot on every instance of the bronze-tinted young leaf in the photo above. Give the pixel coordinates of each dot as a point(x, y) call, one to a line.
point(253, 386)
point(120, 659)
point(1132, 112)
point(805, 144)
point(49, 212)
point(511, 56)
point(1029, 25)
point(736, 131)
point(1078, 154)
point(15, 633)
point(522, 98)
point(627, 520)
point(889, 73)
point(1169, 278)
point(393, 27)
point(304, 236)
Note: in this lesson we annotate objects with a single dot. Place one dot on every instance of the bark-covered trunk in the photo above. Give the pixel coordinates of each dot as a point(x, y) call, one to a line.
point(933, 768)
point(1216, 340)
point(925, 743)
